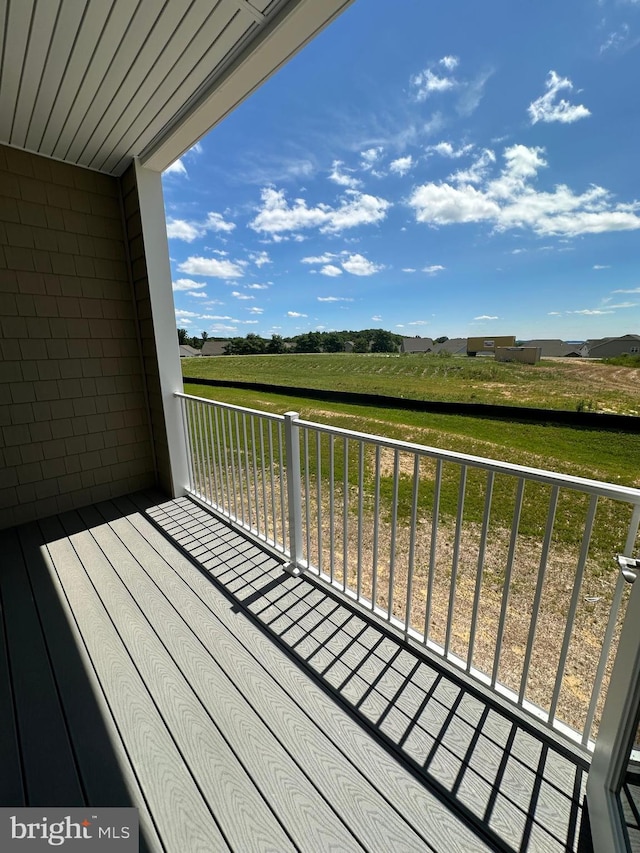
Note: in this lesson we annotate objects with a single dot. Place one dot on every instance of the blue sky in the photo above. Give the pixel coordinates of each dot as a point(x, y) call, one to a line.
point(458, 168)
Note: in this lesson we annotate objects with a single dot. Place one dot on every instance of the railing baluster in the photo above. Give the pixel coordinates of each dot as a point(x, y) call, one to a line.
point(263, 475)
point(319, 496)
point(255, 473)
point(376, 530)
point(196, 442)
point(480, 569)
point(184, 404)
point(214, 462)
point(224, 462)
point(273, 486)
point(394, 531)
point(360, 516)
point(507, 579)
point(345, 516)
point(544, 556)
point(456, 559)
point(571, 615)
point(432, 550)
point(331, 510)
point(307, 496)
point(206, 454)
point(412, 541)
point(232, 463)
point(240, 468)
point(283, 488)
point(246, 469)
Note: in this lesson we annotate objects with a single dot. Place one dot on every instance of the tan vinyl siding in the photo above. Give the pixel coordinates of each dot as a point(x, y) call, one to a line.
point(73, 414)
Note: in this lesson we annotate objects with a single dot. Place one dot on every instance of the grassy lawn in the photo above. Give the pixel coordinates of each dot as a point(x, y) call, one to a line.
point(573, 384)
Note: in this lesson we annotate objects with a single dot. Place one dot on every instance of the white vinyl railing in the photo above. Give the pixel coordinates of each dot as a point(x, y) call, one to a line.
point(508, 572)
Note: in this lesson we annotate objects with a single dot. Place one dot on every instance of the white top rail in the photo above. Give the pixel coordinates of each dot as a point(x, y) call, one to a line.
point(268, 415)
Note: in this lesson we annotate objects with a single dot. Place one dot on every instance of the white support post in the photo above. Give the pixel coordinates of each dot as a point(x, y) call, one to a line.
point(156, 249)
point(618, 723)
point(294, 495)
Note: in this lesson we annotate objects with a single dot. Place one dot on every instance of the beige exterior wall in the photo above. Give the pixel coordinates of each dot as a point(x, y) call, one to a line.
point(74, 424)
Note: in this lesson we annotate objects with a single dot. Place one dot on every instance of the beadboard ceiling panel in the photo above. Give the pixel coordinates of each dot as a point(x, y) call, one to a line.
point(98, 82)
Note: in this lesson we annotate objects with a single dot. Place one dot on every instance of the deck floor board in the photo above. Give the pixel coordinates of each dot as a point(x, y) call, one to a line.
point(240, 708)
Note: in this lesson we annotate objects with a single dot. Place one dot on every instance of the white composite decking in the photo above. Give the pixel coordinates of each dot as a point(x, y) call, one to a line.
point(151, 655)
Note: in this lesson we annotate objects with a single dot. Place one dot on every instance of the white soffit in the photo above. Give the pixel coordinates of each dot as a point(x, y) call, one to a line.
point(99, 82)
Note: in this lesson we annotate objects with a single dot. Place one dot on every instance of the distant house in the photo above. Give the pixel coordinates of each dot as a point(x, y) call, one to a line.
point(454, 346)
point(349, 346)
point(416, 344)
point(555, 348)
point(189, 352)
point(214, 348)
point(611, 347)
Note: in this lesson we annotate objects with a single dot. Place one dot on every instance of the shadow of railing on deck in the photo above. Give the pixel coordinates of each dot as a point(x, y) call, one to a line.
point(520, 790)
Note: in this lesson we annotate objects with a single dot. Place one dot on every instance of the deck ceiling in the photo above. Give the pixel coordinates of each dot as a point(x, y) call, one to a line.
point(98, 82)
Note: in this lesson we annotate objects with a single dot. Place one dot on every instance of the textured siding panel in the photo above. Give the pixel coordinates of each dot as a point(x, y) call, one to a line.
point(71, 382)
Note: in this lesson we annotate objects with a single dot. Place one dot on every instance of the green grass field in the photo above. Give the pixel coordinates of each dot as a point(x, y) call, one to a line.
point(573, 384)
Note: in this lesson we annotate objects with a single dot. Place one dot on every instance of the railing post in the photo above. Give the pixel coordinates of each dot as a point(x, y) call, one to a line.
point(294, 494)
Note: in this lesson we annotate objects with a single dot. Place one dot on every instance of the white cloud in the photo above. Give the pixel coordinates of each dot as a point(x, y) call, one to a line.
point(471, 94)
point(182, 313)
point(477, 171)
point(182, 229)
point(276, 216)
point(447, 149)
point(200, 295)
point(601, 266)
point(341, 178)
point(418, 323)
point(449, 62)
point(216, 317)
point(402, 165)
point(359, 265)
point(334, 299)
point(370, 157)
point(554, 313)
point(187, 284)
point(408, 269)
point(546, 108)
point(242, 296)
point(624, 305)
point(427, 82)
point(320, 259)
point(590, 312)
point(486, 317)
point(377, 318)
point(212, 267)
point(295, 314)
point(176, 168)
point(260, 258)
point(257, 286)
point(511, 201)
point(432, 270)
point(618, 40)
point(330, 270)
point(633, 290)
point(255, 310)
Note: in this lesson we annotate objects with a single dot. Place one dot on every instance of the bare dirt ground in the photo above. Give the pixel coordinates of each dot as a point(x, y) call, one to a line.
point(607, 377)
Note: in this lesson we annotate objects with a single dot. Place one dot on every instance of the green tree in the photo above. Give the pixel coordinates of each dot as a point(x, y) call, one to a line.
point(276, 345)
point(331, 342)
point(182, 336)
point(204, 337)
point(383, 341)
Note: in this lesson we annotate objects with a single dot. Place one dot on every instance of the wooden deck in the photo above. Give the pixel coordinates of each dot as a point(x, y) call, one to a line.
point(152, 656)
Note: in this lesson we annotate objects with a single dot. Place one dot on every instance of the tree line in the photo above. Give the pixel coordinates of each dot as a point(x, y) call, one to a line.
point(365, 340)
